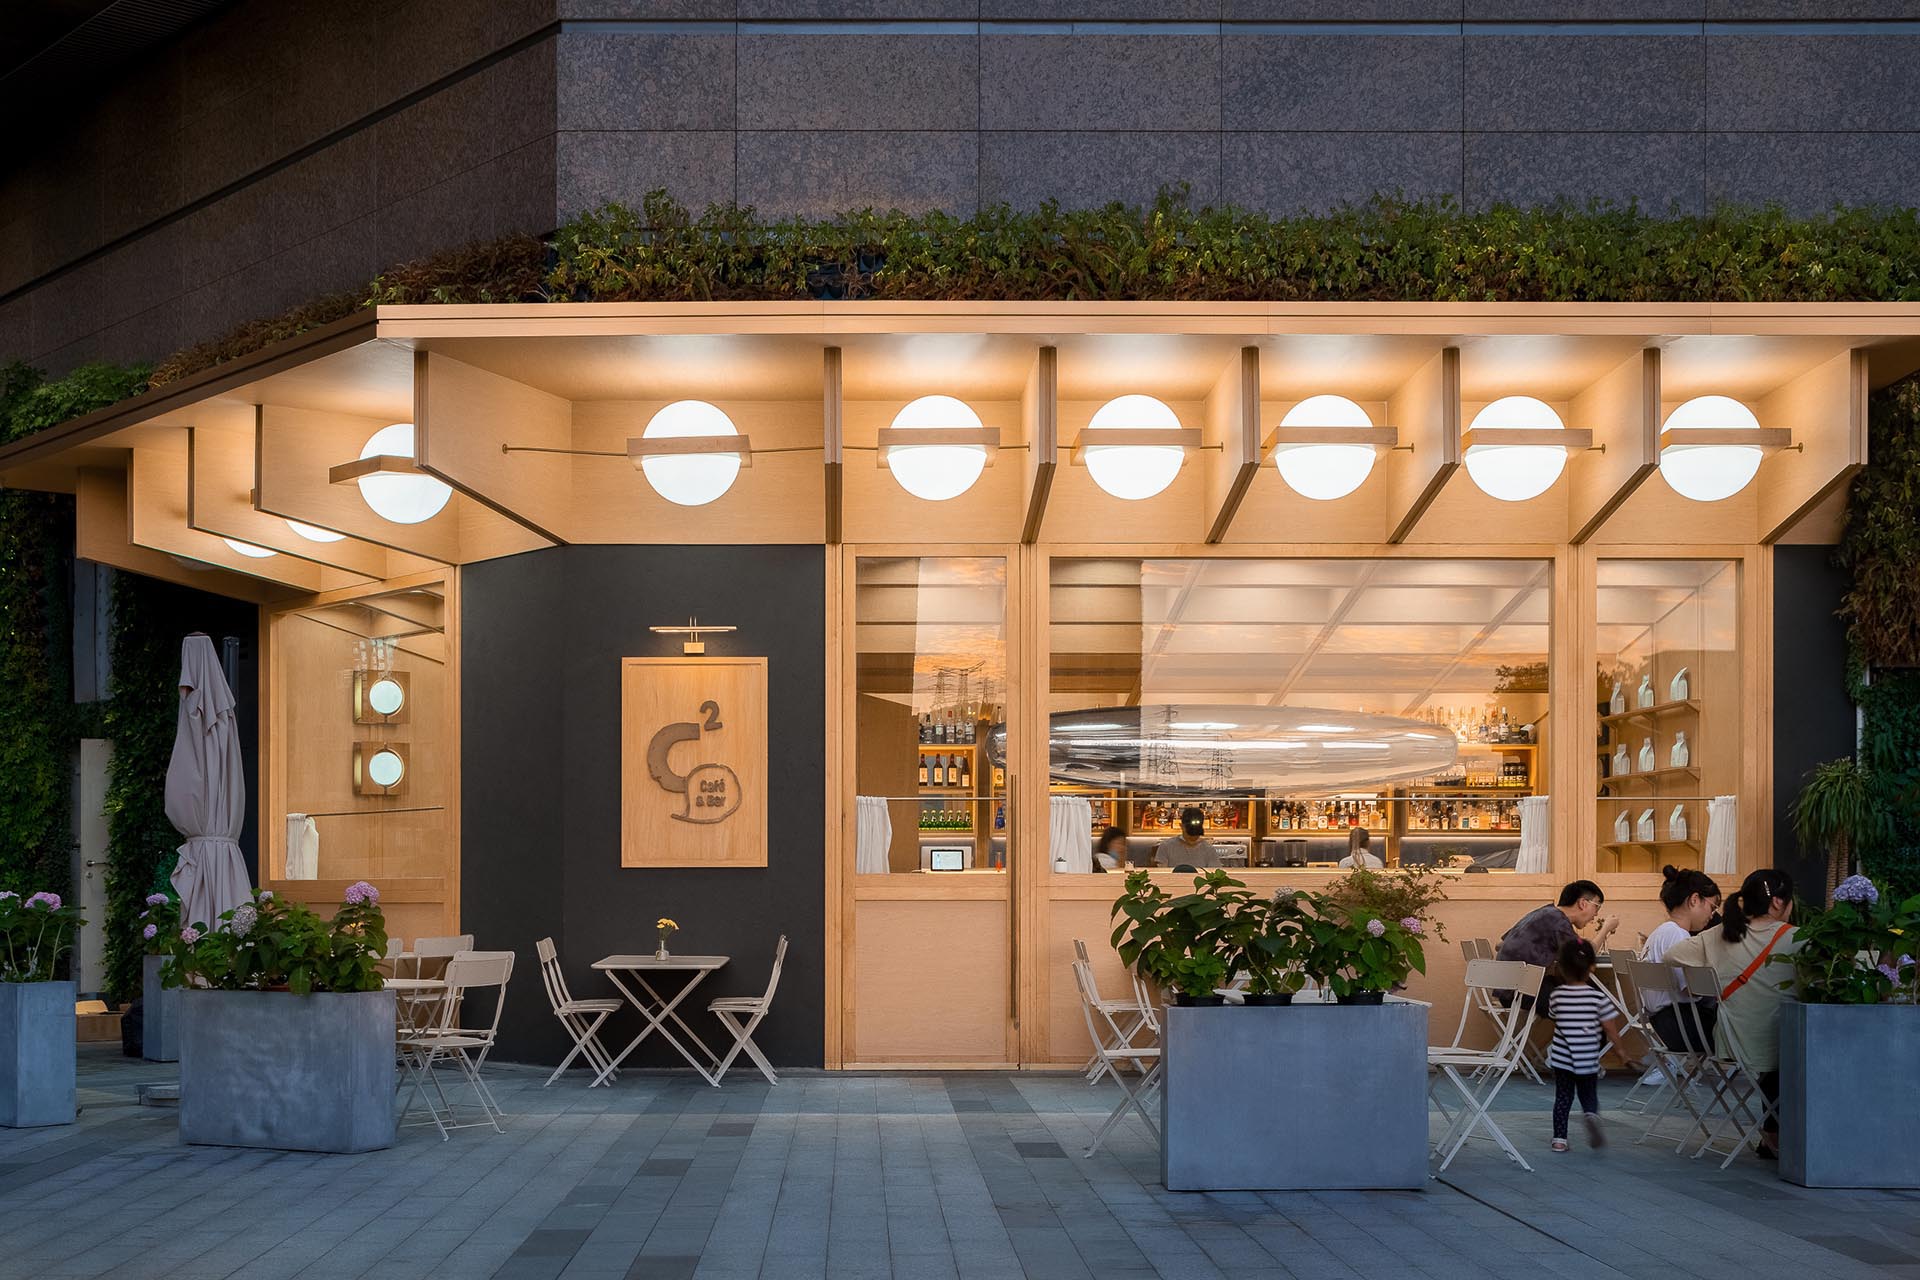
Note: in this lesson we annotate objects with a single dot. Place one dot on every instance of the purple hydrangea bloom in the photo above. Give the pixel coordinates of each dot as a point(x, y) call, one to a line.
point(1889, 972)
point(8, 893)
point(149, 932)
point(1411, 924)
point(51, 901)
point(360, 893)
point(156, 899)
point(265, 895)
point(1856, 889)
point(189, 935)
point(1375, 928)
point(244, 918)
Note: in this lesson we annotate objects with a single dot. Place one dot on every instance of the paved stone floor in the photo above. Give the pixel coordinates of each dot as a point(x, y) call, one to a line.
point(917, 1176)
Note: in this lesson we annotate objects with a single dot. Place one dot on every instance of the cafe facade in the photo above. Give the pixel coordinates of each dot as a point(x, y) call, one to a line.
point(858, 623)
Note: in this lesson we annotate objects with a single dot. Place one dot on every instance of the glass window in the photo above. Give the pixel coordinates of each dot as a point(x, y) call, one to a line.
point(1667, 698)
point(930, 685)
point(1301, 713)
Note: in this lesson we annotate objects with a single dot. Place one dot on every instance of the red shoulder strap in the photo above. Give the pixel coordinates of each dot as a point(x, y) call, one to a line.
point(1753, 968)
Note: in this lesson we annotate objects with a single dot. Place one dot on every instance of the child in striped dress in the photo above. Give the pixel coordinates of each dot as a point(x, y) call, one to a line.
point(1584, 1022)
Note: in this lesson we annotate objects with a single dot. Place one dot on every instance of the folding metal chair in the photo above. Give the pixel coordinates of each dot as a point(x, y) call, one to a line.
point(1487, 1001)
point(1626, 998)
point(573, 1014)
point(730, 1009)
point(1128, 1018)
point(1486, 1070)
point(1680, 1063)
point(466, 1048)
point(1736, 1086)
point(1143, 1057)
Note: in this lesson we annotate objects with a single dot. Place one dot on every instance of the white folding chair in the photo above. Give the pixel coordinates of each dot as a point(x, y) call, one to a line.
point(731, 1009)
point(1488, 1002)
point(1123, 1016)
point(1736, 1086)
point(466, 1048)
point(573, 1014)
point(425, 949)
point(1143, 1057)
point(1680, 1063)
point(1620, 988)
point(1486, 1070)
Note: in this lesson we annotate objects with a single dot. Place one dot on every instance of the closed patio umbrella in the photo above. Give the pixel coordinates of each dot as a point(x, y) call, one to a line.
point(206, 792)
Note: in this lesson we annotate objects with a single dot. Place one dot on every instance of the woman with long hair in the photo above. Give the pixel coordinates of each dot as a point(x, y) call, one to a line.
point(1753, 934)
point(1692, 900)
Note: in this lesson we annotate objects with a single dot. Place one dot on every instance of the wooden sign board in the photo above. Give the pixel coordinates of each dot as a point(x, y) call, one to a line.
point(693, 762)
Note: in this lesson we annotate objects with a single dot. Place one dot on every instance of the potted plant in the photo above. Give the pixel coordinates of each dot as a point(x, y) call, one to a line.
point(1840, 808)
point(37, 1056)
point(1407, 893)
point(1184, 941)
point(1270, 947)
point(1852, 1037)
point(286, 1029)
point(160, 1006)
point(1360, 957)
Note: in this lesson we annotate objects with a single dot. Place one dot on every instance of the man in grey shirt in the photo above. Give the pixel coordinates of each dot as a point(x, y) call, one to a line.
point(1188, 848)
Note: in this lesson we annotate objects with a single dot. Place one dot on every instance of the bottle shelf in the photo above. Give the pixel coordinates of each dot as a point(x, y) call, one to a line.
point(1658, 711)
point(1519, 791)
point(1617, 845)
point(1651, 776)
point(1512, 833)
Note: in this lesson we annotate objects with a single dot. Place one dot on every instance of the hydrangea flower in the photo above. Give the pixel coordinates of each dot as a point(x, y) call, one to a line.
point(1411, 924)
point(360, 893)
point(8, 893)
point(156, 899)
point(1375, 928)
point(265, 895)
point(150, 931)
point(189, 935)
point(1856, 889)
point(1889, 972)
point(51, 901)
point(244, 918)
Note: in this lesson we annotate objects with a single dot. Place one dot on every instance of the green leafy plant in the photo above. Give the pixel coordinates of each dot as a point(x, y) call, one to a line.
point(1406, 893)
point(1859, 950)
point(35, 932)
point(1354, 952)
point(1181, 941)
point(1840, 807)
point(1269, 942)
point(272, 943)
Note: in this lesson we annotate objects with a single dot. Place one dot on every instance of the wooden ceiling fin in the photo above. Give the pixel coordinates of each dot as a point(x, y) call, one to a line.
point(1623, 411)
point(463, 417)
point(1040, 427)
point(1427, 413)
point(832, 390)
point(1233, 420)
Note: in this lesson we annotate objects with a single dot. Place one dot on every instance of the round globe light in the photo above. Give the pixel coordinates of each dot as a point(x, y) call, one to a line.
point(690, 479)
point(408, 499)
point(312, 534)
point(248, 549)
point(385, 696)
point(1132, 471)
point(385, 768)
point(1324, 472)
point(1710, 472)
point(936, 472)
point(1515, 473)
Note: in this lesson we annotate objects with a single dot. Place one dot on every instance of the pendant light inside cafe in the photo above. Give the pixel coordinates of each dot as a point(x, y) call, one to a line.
point(1130, 471)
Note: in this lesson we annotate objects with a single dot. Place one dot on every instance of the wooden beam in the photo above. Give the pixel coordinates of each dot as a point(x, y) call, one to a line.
point(1040, 420)
point(1624, 408)
point(1427, 410)
point(1828, 405)
point(1233, 418)
point(685, 446)
point(158, 519)
point(462, 416)
point(380, 464)
point(296, 448)
point(1143, 437)
point(1378, 437)
point(834, 438)
point(1758, 437)
point(1569, 438)
point(102, 512)
point(908, 437)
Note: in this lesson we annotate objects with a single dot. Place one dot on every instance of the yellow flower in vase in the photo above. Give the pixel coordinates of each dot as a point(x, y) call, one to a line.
point(666, 925)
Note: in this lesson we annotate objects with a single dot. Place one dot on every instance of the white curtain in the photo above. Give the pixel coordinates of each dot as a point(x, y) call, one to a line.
point(1533, 857)
point(1070, 834)
point(303, 848)
point(872, 836)
point(1723, 825)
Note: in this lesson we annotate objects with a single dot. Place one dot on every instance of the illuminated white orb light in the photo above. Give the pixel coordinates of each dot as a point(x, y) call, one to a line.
point(936, 472)
point(313, 534)
point(402, 499)
point(1709, 472)
point(1132, 471)
point(690, 479)
point(1515, 473)
point(248, 549)
point(385, 768)
point(385, 696)
point(1324, 472)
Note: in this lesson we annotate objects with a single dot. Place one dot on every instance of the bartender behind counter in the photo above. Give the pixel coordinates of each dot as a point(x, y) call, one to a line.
point(1189, 848)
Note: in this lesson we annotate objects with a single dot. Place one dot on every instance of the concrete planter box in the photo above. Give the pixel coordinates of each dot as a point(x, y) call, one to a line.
point(1310, 1096)
point(160, 1015)
point(294, 1073)
point(1849, 1114)
point(37, 1058)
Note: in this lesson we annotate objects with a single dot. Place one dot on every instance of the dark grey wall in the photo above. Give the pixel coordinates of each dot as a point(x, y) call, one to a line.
point(1813, 718)
point(288, 148)
point(542, 636)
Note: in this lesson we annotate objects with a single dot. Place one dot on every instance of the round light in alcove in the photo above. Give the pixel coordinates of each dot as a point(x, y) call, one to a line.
point(385, 768)
point(1711, 472)
point(690, 480)
point(1515, 473)
point(386, 696)
point(314, 534)
point(403, 499)
point(1130, 471)
point(1324, 472)
point(936, 472)
point(248, 549)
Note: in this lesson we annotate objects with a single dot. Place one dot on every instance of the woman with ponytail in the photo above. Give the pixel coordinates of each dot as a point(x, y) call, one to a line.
point(1692, 901)
point(1753, 933)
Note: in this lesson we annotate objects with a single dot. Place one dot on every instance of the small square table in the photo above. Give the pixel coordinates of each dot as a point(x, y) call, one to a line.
point(658, 1011)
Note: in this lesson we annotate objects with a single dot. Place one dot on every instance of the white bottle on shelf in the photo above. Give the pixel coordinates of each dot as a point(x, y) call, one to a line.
point(1643, 829)
point(1646, 690)
point(1648, 760)
point(1679, 755)
point(1622, 762)
point(1617, 704)
point(1677, 823)
point(1677, 688)
point(1622, 828)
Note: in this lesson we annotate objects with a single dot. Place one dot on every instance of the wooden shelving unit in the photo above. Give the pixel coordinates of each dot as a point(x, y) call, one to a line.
point(1652, 777)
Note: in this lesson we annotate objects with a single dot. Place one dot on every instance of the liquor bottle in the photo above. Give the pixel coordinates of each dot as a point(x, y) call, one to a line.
point(966, 772)
point(923, 771)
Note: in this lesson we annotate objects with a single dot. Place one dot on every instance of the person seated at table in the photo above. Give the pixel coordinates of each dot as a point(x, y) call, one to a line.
point(1110, 851)
point(1692, 900)
point(1537, 937)
point(1358, 855)
point(1190, 848)
point(1752, 934)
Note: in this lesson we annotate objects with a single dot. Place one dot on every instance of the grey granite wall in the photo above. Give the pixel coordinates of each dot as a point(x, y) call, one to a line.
point(290, 148)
